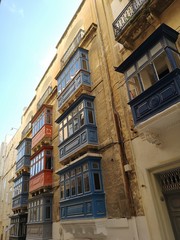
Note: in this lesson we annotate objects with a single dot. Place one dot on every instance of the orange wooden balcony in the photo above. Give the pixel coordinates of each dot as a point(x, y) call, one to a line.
point(43, 136)
point(41, 180)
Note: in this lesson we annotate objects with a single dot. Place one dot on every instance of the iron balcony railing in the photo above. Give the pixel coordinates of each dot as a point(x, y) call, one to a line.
point(129, 12)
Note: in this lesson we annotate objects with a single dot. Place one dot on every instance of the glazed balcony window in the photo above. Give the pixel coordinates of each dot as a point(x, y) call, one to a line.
point(21, 185)
point(75, 74)
point(40, 210)
point(44, 118)
point(81, 189)
point(77, 127)
point(23, 155)
point(42, 161)
point(150, 68)
point(152, 74)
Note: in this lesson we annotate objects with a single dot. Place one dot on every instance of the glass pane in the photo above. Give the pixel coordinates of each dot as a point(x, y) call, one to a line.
point(95, 165)
point(97, 185)
point(142, 60)
point(90, 116)
point(65, 132)
point(85, 167)
point(48, 212)
point(70, 127)
point(81, 118)
point(176, 58)
point(48, 162)
point(162, 65)
point(79, 184)
point(60, 136)
point(73, 187)
point(76, 124)
point(156, 48)
point(147, 76)
point(67, 189)
point(134, 87)
point(86, 182)
point(62, 191)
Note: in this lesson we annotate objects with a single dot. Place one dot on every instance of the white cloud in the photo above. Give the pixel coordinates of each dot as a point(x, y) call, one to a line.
point(14, 9)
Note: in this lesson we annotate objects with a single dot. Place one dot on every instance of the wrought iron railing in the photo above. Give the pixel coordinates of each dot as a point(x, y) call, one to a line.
point(131, 9)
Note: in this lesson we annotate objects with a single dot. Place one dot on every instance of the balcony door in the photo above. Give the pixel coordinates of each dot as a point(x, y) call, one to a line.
point(170, 183)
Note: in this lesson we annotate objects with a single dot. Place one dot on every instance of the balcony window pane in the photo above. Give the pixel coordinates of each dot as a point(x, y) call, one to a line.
point(70, 127)
point(130, 71)
point(142, 60)
point(62, 191)
point(176, 57)
point(65, 132)
point(73, 187)
point(86, 182)
point(48, 212)
point(134, 87)
point(84, 64)
point(79, 184)
point(162, 65)
point(97, 185)
point(156, 48)
point(76, 124)
point(48, 162)
point(67, 188)
point(60, 136)
point(90, 116)
point(81, 119)
point(147, 76)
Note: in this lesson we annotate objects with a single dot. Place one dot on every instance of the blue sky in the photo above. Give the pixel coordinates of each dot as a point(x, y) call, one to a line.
point(29, 32)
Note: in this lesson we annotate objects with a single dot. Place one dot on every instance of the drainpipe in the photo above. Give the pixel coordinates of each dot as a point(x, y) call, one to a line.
point(118, 123)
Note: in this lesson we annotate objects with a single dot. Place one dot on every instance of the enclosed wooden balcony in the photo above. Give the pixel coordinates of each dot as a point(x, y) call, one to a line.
point(80, 84)
point(136, 17)
point(42, 127)
point(43, 137)
point(41, 180)
point(159, 97)
point(20, 201)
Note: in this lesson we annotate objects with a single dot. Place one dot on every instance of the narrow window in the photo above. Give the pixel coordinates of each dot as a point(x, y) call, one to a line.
point(147, 76)
point(48, 212)
point(134, 87)
point(162, 65)
point(75, 124)
point(73, 187)
point(67, 189)
point(90, 116)
point(79, 184)
point(97, 185)
point(62, 190)
point(81, 119)
point(86, 182)
point(70, 127)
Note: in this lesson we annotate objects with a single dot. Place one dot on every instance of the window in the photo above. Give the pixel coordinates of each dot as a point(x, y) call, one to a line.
point(40, 162)
point(81, 115)
point(44, 118)
point(78, 62)
point(81, 180)
point(150, 68)
point(24, 149)
point(37, 207)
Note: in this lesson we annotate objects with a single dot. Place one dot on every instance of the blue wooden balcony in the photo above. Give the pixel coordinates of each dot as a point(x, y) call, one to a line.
point(80, 82)
point(84, 139)
point(20, 201)
point(24, 162)
point(157, 98)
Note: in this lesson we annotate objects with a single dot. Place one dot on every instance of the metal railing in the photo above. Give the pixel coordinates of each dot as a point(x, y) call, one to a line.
point(131, 9)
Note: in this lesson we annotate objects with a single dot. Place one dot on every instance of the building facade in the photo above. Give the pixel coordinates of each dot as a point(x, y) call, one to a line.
point(102, 130)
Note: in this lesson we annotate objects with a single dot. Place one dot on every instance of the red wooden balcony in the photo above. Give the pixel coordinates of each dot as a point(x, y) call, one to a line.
point(41, 180)
point(43, 136)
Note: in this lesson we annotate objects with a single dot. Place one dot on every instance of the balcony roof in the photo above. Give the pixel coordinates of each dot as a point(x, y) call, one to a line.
point(162, 31)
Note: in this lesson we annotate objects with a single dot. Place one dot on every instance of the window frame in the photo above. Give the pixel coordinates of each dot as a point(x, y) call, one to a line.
point(135, 70)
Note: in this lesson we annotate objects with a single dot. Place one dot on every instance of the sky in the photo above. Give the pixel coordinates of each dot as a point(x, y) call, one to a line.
point(29, 32)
